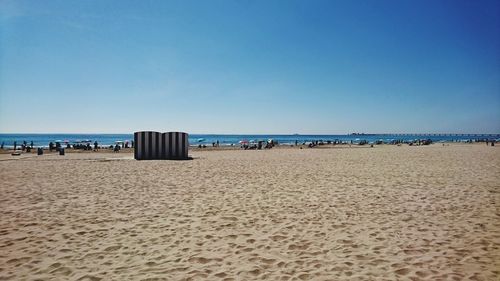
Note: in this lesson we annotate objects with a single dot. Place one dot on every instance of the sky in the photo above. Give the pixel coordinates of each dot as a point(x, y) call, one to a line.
point(250, 67)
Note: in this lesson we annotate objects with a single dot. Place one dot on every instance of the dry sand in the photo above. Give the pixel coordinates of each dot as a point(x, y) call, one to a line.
point(383, 213)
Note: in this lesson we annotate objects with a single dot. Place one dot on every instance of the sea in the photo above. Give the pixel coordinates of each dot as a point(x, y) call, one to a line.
point(43, 140)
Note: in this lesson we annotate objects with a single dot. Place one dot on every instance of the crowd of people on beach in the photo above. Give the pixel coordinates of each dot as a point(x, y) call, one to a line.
point(24, 146)
point(259, 145)
point(416, 142)
point(58, 146)
point(245, 145)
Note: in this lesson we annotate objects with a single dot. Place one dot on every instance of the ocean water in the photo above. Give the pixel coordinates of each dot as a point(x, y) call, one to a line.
point(42, 140)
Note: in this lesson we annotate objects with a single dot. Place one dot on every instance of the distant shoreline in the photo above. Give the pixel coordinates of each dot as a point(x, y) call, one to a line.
point(238, 147)
point(43, 140)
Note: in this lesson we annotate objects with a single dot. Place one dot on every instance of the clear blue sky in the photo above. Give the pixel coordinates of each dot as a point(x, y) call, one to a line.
point(320, 67)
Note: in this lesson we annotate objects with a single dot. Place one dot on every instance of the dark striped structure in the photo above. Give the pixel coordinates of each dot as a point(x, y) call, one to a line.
point(153, 145)
point(175, 145)
point(147, 145)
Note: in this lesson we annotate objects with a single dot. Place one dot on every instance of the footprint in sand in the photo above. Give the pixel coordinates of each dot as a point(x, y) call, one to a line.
point(220, 274)
point(112, 248)
point(413, 252)
point(65, 250)
point(201, 260)
point(277, 237)
point(304, 276)
point(402, 271)
point(422, 274)
point(298, 247)
point(62, 270)
point(255, 272)
point(267, 261)
point(19, 261)
point(54, 265)
point(89, 278)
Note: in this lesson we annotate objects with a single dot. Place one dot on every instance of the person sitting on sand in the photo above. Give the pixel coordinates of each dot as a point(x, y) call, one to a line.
point(117, 148)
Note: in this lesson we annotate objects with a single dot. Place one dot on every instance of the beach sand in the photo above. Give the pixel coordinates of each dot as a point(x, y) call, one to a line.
point(382, 213)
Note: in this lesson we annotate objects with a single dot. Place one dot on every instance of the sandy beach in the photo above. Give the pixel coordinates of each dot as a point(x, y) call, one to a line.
point(382, 213)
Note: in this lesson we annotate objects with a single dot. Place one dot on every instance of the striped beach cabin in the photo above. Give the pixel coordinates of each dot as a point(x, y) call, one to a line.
point(155, 146)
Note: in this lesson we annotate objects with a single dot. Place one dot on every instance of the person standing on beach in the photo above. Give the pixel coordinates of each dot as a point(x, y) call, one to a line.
point(15, 145)
point(31, 144)
point(2, 145)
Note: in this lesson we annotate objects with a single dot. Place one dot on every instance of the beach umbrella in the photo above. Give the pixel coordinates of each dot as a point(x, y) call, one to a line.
point(243, 141)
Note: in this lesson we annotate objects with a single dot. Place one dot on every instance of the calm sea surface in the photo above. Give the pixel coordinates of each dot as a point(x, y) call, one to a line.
point(195, 139)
